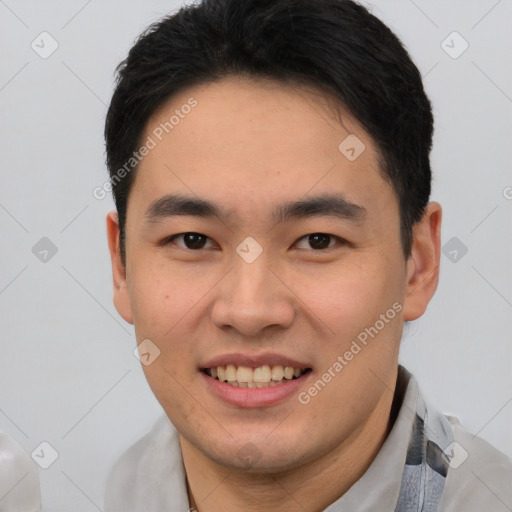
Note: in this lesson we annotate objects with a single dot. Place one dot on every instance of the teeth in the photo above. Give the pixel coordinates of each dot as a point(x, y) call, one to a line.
point(261, 377)
point(277, 373)
point(288, 373)
point(244, 374)
point(262, 374)
point(231, 373)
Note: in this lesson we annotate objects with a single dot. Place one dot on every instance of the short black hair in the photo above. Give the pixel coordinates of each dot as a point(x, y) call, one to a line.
point(337, 45)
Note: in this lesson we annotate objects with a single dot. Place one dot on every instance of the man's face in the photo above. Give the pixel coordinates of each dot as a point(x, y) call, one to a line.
point(251, 147)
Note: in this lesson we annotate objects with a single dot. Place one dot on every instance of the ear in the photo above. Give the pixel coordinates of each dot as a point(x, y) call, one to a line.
point(121, 295)
point(423, 263)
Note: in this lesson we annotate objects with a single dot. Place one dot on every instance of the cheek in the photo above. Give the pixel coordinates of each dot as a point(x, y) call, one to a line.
point(160, 296)
point(161, 304)
point(150, 303)
point(166, 303)
point(351, 297)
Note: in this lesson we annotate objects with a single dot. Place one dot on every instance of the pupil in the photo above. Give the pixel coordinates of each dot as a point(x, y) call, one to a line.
point(193, 240)
point(313, 240)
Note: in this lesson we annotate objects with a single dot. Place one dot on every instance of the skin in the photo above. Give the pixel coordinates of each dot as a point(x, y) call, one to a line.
point(250, 145)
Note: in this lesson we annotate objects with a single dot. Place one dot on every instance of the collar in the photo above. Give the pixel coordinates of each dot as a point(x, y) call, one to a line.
point(409, 472)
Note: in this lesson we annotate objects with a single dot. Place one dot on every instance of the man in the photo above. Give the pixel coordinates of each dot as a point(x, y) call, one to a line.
point(270, 167)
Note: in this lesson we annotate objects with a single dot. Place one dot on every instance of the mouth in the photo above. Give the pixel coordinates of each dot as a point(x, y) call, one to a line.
point(255, 377)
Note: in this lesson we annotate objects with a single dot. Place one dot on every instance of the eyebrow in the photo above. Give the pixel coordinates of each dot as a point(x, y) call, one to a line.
point(332, 205)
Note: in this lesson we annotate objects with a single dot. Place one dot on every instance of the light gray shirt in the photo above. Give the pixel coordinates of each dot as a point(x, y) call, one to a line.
point(427, 463)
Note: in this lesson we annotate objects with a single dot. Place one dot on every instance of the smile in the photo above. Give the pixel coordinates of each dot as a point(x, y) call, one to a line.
point(259, 377)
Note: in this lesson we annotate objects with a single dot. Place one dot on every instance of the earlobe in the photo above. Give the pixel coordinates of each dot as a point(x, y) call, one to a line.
point(121, 295)
point(423, 263)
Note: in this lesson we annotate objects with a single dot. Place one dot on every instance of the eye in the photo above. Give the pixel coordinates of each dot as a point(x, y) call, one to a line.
point(319, 241)
point(196, 241)
point(193, 241)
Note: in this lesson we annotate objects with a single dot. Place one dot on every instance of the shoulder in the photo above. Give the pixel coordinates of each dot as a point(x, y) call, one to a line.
point(479, 476)
point(139, 471)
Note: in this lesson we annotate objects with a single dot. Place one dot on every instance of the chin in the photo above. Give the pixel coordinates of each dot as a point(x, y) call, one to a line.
point(256, 455)
point(259, 465)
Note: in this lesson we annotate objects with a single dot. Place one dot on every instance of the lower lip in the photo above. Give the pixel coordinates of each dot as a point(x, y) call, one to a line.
point(254, 397)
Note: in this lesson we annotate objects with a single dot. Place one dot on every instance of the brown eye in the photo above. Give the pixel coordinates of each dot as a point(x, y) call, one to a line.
point(191, 240)
point(320, 241)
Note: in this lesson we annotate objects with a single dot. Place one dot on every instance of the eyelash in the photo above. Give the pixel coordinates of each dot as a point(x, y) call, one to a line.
point(340, 240)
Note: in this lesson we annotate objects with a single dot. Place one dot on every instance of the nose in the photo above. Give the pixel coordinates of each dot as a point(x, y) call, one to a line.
point(252, 298)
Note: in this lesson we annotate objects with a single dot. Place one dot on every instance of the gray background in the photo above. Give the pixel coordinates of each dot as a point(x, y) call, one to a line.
point(68, 375)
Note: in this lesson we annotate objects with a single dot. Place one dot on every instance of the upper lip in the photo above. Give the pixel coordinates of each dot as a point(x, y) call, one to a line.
point(253, 360)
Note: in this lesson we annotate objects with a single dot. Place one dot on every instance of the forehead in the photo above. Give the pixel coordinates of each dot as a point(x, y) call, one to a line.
point(254, 143)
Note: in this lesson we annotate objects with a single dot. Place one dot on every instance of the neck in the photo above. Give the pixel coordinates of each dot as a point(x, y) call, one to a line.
point(312, 486)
